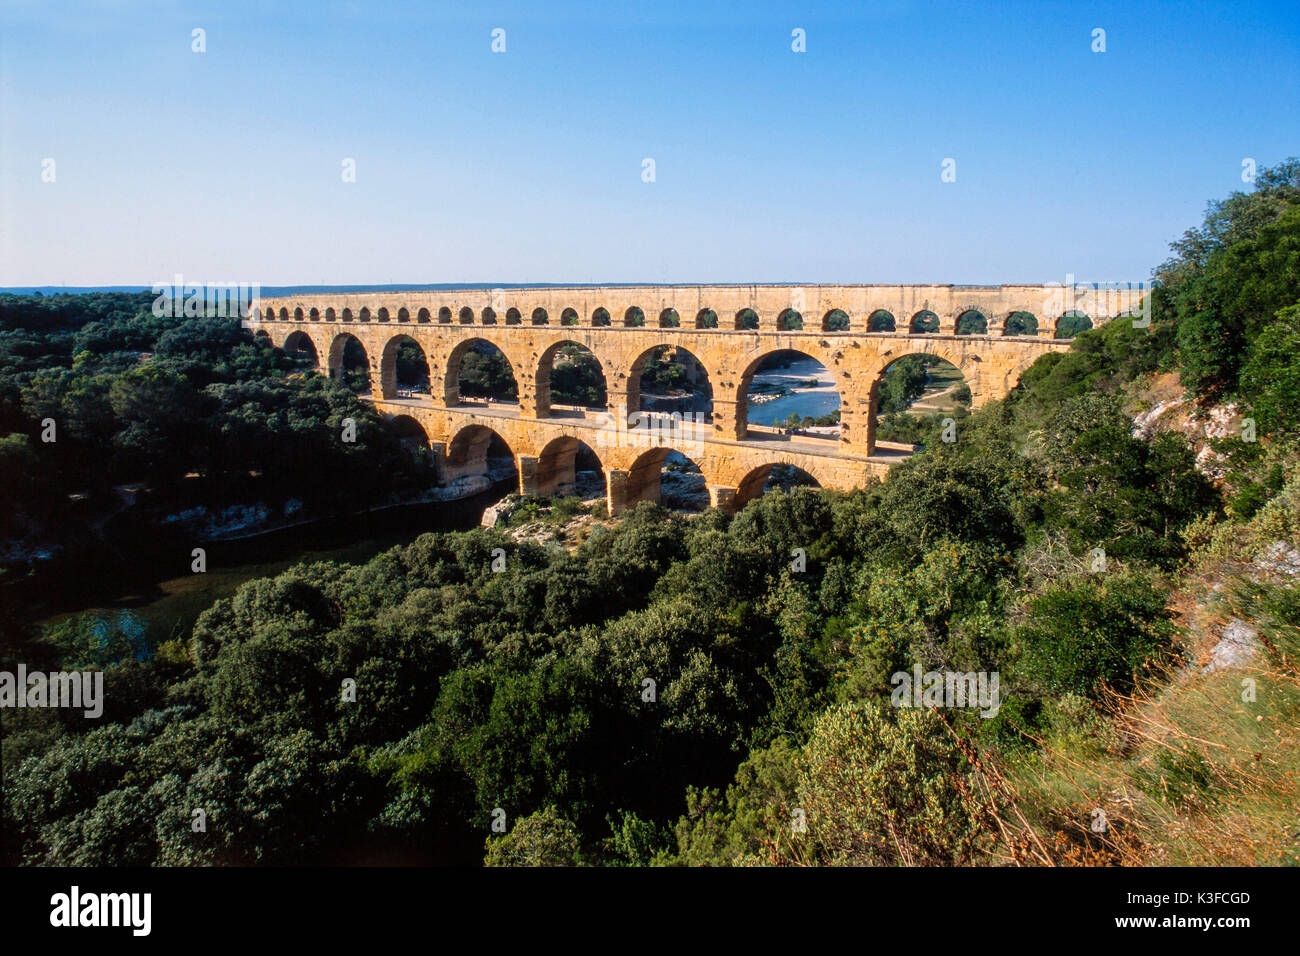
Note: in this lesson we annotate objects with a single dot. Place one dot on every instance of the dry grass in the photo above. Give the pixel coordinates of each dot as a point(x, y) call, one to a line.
point(1188, 770)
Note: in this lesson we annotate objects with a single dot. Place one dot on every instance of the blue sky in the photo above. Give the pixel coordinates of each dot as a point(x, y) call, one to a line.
point(526, 166)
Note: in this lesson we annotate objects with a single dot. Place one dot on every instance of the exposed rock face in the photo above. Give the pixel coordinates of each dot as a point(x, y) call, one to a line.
point(686, 490)
point(499, 512)
point(1144, 426)
point(589, 485)
point(1280, 557)
point(1200, 426)
point(1239, 643)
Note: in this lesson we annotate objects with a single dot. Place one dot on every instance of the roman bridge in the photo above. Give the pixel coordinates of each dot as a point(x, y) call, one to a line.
point(990, 333)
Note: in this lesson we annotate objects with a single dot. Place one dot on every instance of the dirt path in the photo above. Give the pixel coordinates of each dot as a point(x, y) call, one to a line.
point(924, 402)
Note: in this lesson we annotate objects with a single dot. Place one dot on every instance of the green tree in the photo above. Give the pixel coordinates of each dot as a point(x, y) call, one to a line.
point(543, 838)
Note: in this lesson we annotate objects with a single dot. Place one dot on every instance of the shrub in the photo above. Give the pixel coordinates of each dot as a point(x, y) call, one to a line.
point(1090, 631)
point(880, 791)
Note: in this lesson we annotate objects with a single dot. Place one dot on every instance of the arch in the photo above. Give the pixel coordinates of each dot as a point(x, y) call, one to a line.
point(747, 319)
point(634, 317)
point(789, 321)
point(346, 315)
point(646, 480)
point(672, 369)
point(1020, 323)
point(403, 368)
point(570, 373)
point(836, 320)
point(924, 322)
point(489, 316)
point(298, 344)
point(1071, 324)
point(411, 435)
point(382, 314)
point(348, 361)
point(774, 474)
point(331, 315)
point(569, 317)
point(972, 322)
point(478, 368)
point(539, 317)
point(514, 317)
point(314, 315)
point(561, 466)
point(669, 319)
point(472, 452)
point(298, 314)
point(784, 391)
point(913, 387)
point(284, 314)
point(444, 316)
point(1012, 376)
point(882, 320)
point(403, 315)
point(363, 315)
point(423, 316)
point(706, 319)
point(600, 317)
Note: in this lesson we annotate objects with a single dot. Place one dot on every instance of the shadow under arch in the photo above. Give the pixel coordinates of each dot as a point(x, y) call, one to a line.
point(666, 476)
point(403, 368)
point(477, 451)
point(410, 435)
point(569, 466)
point(349, 361)
point(478, 368)
point(298, 345)
point(771, 476)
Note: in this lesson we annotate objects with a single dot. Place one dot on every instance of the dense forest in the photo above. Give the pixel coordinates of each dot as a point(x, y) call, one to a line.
point(710, 689)
point(103, 404)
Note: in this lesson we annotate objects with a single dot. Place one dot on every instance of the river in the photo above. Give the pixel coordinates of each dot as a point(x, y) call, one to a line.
point(812, 402)
point(166, 608)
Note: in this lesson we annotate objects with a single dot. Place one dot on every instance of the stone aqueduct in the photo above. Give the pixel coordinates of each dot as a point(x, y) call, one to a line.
point(728, 329)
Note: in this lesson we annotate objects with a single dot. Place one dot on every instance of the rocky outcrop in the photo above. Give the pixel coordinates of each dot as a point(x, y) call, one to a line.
point(1239, 643)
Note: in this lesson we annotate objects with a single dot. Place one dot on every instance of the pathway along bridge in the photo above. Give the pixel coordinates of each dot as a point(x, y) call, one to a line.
point(990, 333)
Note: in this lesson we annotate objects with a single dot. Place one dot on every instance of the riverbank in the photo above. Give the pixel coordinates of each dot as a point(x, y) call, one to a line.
point(166, 603)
